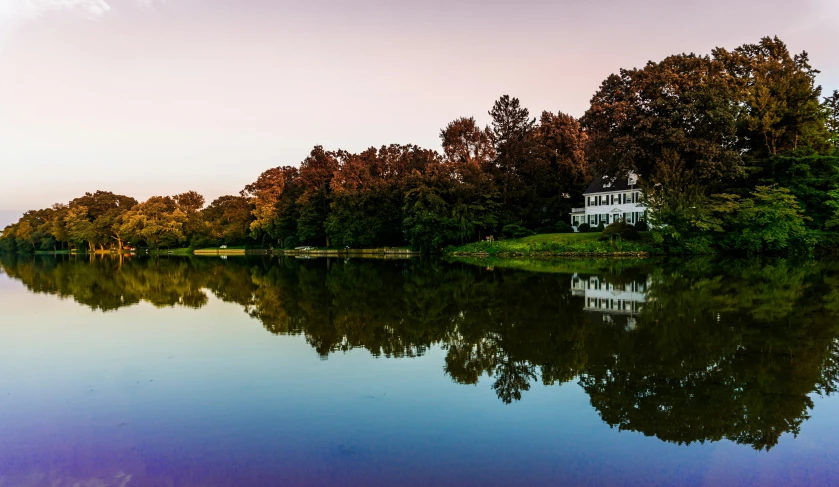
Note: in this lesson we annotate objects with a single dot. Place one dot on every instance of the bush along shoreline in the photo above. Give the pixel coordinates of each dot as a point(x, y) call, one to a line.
point(623, 240)
point(600, 244)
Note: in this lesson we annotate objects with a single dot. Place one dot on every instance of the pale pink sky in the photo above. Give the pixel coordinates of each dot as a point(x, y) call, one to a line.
point(148, 97)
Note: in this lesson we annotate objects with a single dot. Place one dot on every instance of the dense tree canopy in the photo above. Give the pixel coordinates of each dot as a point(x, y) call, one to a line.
point(700, 128)
point(696, 129)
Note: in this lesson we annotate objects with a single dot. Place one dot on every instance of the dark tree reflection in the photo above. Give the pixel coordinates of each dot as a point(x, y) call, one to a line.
point(687, 351)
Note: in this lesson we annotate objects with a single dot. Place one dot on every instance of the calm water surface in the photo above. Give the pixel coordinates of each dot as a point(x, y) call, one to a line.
point(264, 372)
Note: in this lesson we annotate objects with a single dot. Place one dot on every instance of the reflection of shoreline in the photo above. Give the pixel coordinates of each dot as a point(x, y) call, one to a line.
point(367, 253)
point(344, 257)
point(609, 299)
point(691, 339)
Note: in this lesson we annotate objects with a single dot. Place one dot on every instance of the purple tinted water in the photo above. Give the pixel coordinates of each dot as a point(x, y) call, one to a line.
point(174, 396)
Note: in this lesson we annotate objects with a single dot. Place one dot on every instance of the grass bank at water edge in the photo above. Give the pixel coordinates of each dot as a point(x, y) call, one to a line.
point(556, 244)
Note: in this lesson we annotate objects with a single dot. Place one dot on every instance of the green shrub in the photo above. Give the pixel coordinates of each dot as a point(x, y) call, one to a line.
point(584, 228)
point(601, 227)
point(621, 230)
point(563, 227)
point(641, 226)
point(826, 242)
point(515, 231)
point(291, 241)
point(8, 246)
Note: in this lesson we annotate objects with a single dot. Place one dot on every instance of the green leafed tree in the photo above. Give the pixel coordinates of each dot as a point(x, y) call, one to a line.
point(316, 173)
point(429, 223)
point(770, 221)
point(685, 104)
point(80, 230)
point(228, 220)
point(158, 222)
point(778, 99)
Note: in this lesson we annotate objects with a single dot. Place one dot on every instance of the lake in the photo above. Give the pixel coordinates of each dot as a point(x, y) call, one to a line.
point(418, 372)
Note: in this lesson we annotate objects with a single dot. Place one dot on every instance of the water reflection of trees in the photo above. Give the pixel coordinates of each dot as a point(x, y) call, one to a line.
point(730, 350)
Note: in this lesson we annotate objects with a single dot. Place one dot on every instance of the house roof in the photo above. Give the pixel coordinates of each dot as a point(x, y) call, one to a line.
point(606, 185)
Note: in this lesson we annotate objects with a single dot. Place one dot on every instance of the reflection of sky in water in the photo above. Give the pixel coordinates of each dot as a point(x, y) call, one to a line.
point(175, 396)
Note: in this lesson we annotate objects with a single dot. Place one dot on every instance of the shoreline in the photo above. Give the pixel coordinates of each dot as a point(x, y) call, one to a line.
point(551, 255)
point(385, 251)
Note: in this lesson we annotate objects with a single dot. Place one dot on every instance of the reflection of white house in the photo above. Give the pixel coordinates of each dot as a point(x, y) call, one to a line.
point(608, 201)
point(611, 299)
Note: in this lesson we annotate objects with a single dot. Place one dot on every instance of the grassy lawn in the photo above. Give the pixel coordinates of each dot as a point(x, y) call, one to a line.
point(555, 243)
point(606, 265)
point(562, 238)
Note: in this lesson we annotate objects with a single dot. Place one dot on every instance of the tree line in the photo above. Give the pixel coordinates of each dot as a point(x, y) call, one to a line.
point(730, 349)
point(104, 220)
point(736, 150)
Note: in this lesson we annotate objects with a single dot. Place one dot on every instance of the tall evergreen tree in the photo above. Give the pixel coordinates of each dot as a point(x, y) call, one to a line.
point(512, 130)
point(831, 109)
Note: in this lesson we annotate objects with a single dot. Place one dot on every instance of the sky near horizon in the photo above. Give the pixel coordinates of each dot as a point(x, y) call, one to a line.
point(145, 97)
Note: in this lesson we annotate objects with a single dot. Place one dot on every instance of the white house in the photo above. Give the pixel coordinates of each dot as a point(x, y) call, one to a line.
point(608, 201)
point(611, 300)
